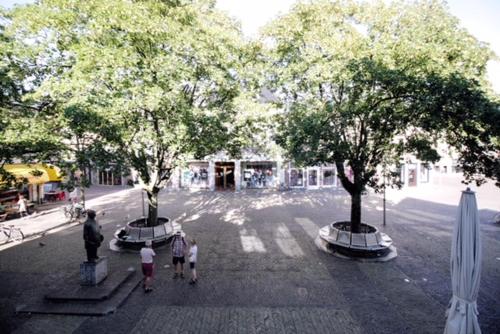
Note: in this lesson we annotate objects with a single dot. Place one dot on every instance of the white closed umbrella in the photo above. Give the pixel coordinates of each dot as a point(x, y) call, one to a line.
point(465, 269)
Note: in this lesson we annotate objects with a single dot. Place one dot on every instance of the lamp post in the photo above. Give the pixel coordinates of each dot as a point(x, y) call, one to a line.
point(384, 196)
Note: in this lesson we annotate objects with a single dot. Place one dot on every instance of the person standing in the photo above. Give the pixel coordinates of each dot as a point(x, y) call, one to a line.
point(23, 206)
point(74, 196)
point(147, 255)
point(193, 255)
point(178, 252)
point(92, 236)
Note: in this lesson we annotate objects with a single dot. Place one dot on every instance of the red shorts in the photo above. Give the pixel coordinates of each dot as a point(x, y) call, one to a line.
point(147, 269)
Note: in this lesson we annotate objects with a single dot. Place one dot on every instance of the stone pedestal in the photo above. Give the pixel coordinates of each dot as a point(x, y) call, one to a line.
point(92, 273)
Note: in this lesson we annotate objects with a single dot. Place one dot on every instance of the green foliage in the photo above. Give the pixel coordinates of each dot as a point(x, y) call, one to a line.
point(151, 82)
point(26, 127)
point(367, 83)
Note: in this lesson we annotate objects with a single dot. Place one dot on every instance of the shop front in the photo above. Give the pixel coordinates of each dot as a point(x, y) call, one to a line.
point(413, 174)
point(313, 180)
point(225, 175)
point(328, 177)
point(35, 179)
point(258, 175)
point(296, 178)
point(109, 177)
point(195, 176)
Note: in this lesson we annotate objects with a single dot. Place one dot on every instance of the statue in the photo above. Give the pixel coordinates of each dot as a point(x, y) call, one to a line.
point(92, 236)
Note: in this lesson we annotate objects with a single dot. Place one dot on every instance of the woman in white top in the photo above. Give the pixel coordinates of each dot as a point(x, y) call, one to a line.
point(147, 255)
point(193, 255)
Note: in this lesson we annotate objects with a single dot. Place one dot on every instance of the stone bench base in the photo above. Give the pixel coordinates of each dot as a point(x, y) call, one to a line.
point(93, 273)
point(134, 235)
point(373, 245)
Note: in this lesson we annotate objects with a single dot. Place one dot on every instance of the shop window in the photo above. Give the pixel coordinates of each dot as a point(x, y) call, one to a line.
point(412, 175)
point(456, 169)
point(296, 178)
point(259, 175)
point(312, 177)
point(328, 177)
point(108, 178)
point(402, 175)
point(424, 174)
point(196, 176)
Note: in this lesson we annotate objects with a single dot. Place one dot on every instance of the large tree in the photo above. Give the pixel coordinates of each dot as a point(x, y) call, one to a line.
point(364, 83)
point(164, 74)
point(26, 127)
point(88, 141)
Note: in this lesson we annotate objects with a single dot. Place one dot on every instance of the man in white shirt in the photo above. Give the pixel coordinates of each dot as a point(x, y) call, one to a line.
point(147, 255)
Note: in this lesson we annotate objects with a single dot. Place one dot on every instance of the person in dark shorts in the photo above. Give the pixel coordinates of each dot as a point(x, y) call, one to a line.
point(178, 252)
point(147, 255)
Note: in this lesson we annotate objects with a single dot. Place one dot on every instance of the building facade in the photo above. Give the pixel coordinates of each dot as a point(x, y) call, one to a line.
point(252, 171)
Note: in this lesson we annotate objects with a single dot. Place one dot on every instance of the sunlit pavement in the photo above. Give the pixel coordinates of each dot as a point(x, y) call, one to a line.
point(260, 270)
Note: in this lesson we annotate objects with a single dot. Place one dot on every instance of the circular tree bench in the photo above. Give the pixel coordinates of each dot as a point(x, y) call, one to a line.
point(337, 239)
point(136, 233)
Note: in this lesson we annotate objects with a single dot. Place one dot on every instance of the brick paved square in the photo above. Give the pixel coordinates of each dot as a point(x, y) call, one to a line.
point(259, 269)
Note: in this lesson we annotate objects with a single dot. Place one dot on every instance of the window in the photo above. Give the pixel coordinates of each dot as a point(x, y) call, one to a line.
point(424, 173)
point(259, 174)
point(195, 176)
point(296, 177)
point(109, 178)
point(328, 177)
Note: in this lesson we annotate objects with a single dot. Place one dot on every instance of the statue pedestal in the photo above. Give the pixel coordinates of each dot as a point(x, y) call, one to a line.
point(92, 273)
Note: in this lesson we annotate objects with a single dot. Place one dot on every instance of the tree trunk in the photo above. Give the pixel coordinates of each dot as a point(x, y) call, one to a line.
point(356, 212)
point(152, 208)
point(89, 177)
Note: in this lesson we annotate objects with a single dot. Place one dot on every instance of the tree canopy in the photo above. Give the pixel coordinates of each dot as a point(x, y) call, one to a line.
point(365, 83)
point(163, 74)
point(25, 125)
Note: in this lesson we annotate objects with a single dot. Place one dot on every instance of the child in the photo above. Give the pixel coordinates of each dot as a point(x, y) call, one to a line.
point(23, 206)
point(147, 254)
point(193, 254)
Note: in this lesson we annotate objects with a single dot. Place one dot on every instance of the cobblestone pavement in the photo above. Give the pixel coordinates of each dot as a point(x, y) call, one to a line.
point(260, 271)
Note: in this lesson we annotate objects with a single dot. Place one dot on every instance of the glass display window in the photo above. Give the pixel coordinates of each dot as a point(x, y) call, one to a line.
point(424, 173)
point(328, 177)
point(313, 177)
point(412, 175)
point(110, 178)
point(195, 176)
point(296, 177)
point(259, 175)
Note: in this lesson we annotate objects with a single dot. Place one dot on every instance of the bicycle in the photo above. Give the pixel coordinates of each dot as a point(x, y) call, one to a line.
point(10, 233)
point(74, 211)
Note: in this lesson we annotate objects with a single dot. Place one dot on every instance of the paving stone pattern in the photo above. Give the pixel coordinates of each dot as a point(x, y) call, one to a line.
point(241, 320)
point(260, 271)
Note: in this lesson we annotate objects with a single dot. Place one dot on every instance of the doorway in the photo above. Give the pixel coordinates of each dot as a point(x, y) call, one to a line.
point(224, 175)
